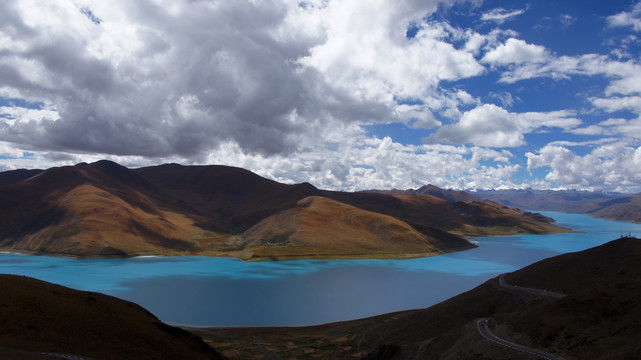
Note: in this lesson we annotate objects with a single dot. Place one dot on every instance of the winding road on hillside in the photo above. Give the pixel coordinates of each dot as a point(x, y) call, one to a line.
point(484, 330)
point(260, 343)
point(533, 291)
point(481, 325)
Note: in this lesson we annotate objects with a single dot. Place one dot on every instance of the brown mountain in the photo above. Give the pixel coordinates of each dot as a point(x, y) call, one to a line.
point(598, 318)
point(610, 206)
point(104, 209)
point(323, 228)
point(39, 318)
point(14, 176)
point(100, 209)
point(446, 194)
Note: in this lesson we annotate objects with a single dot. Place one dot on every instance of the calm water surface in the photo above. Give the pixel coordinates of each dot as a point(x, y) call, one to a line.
point(229, 292)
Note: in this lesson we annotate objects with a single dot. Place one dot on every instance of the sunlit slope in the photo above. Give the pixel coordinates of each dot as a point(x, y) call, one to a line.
point(321, 227)
point(105, 209)
point(99, 210)
point(97, 222)
point(477, 218)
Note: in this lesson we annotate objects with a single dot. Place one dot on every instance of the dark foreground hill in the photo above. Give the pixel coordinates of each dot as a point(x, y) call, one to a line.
point(39, 320)
point(104, 209)
point(598, 318)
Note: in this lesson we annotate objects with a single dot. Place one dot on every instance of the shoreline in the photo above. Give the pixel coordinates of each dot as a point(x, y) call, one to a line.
point(283, 257)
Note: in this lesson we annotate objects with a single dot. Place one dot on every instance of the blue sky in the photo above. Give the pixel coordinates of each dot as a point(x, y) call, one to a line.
point(347, 95)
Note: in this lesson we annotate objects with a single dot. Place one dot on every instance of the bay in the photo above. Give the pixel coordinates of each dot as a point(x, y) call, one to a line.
point(205, 291)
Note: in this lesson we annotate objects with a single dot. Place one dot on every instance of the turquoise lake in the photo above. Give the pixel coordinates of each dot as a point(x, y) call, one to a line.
point(204, 291)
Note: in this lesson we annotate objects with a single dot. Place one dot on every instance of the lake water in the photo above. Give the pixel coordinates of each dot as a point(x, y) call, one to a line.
point(206, 291)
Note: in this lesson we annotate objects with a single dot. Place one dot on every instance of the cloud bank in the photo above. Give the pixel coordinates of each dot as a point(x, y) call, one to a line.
point(289, 88)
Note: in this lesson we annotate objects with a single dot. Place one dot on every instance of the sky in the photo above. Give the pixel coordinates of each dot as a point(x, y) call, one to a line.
point(347, 95)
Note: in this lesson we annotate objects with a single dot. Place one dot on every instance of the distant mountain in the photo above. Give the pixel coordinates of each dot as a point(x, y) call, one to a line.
point(46, 321)
point(14, 176)
point(583, 305)
point(611, 206)
point(104, 209)
point(449, 195)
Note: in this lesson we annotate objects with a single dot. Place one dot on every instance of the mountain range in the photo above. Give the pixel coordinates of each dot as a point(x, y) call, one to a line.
point(104, 209)
point(610, 206)
point(604, 205)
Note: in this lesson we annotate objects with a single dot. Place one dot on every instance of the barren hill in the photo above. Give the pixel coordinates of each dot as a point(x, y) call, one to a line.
point(325, 228)
point(610, 206)
point(105, 209)
point(39, 318)
point(100, 209)
point(450, 195)
point(599, 318)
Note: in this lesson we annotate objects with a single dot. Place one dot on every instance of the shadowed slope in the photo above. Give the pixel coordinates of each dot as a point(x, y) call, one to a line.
point(600, 318)
point(321, 227)
point(99, 209)
point(479, 218)
point(15, 176)
point(445, 194)
point(43, 317)
point(104, 209)
point(224, 198)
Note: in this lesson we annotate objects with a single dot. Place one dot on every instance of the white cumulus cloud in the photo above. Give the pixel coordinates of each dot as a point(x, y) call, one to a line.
point(608, 167)
point(516, 51)
point(492, 126)
point(627, 18)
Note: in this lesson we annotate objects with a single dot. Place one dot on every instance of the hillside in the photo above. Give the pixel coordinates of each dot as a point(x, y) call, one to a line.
point(319, 227)
point(598, 318)
point(38, 317)
point(104, 209)
point(446, 194)
point(609, 206)
point(100, 209)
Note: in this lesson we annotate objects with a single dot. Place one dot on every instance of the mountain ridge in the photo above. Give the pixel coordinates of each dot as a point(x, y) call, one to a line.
point(104, 209)
point(609, 206)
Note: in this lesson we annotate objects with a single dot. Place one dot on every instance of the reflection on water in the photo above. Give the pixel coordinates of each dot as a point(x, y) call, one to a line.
point(229, 292)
